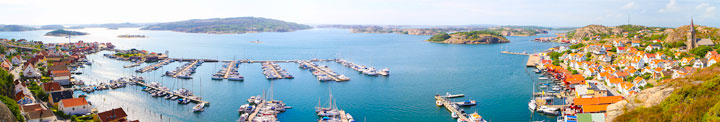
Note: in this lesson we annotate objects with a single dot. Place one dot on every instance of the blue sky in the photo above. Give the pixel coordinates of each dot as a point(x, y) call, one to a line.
point(666, 13)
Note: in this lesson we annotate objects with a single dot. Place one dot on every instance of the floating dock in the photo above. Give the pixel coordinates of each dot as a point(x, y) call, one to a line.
point(155, 66)
point(193, 99)
point(371, 71)
point(229, 69)
point(322, 71)
point(183, 71)
point(273, 71)
point(134, 64)
point(449, 106)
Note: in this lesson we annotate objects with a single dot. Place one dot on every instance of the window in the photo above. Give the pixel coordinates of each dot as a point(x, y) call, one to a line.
point(73, 109)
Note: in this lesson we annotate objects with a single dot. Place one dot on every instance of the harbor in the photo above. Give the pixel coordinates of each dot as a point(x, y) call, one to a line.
point(323, 73)
point(514, 53)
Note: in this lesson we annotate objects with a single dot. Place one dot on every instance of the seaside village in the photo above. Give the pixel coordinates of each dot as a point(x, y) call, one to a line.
point(581, 80)
point(42, 81)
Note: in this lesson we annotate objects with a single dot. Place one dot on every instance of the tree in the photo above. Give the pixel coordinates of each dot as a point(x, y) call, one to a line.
point(701, 51)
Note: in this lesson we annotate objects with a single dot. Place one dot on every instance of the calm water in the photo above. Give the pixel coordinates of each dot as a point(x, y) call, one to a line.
point(419, 70)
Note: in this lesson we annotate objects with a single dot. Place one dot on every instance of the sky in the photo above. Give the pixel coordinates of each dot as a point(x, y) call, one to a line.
point(554, 13)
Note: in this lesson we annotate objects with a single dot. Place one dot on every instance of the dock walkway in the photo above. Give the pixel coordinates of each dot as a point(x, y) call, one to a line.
point(533, 60)
point(185, 68)
point(255, 112)
point(448, 105)
point(173, 93)
point(323, 70)
point(515, 53)
point(229, 67)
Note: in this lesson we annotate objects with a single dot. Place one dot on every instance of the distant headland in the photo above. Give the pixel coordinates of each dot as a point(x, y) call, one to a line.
point(236, 25)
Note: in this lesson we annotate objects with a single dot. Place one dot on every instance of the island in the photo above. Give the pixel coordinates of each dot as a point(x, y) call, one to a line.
point(236, 25)
point(62, 32)
point(472, 37)
point(432, 30)
point(16, 28)
point(131, 36)
point(52, 27)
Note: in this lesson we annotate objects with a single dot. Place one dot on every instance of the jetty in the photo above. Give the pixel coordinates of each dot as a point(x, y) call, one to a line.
point(533, 60)
point(371, 71)
point(154, 66)
point(228, 69)
point(449, 106)
point(273, 71)
point(184, 70)
point(193, 99)
point(515, 53)
point(323, 73)
point(134, 64)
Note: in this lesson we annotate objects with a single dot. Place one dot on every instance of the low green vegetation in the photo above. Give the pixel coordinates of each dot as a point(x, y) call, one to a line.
point(14, 107)
point(690, 102)
point(474, 34)
point(701, 51)
point(229, 25)
point(16, 28)
point(62, 32)
point(442, 36)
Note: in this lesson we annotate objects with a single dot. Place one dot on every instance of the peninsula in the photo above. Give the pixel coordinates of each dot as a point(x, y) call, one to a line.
point(432, 30)
point(472, 37)
point(235, 25)
point(62, 32)
point(16, 28)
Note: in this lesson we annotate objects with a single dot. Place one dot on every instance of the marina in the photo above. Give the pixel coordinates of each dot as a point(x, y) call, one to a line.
point(229, 71)
point(183, 95)
point(331, 113)
point(515, 53)
point(136, 63)
point(323, 73)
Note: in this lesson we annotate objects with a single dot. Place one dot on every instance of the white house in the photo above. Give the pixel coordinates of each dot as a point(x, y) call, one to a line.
point(74, 106)
point(31, 72)
point(17, 60)
point(700, 63)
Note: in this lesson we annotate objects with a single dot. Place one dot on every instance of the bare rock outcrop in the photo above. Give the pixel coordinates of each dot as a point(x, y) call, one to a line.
point(645, 98)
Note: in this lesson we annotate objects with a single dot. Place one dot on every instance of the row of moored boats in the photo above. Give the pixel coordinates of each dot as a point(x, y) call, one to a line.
point(323, 73)
point(231, 68)
point(155, 66)
point(273, 71)
point(185, 71)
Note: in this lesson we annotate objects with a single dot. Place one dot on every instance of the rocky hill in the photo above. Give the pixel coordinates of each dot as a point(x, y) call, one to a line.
point(691, 99)
point(472, 37)
point(680, 33)
point(229, 25)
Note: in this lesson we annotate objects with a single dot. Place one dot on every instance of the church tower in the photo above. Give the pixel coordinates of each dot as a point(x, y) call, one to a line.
point(691, 41)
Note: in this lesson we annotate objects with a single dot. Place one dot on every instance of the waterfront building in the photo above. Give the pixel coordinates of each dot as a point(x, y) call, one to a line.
point(74, 106)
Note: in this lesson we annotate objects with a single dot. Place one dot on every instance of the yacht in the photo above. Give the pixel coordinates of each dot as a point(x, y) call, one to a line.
point(199, 107)
point(532, 105)
point(438, 103)
point(454, 115)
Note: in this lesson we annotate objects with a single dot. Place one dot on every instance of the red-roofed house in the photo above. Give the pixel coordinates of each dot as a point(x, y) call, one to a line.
point(74, 106)
point(114, 115)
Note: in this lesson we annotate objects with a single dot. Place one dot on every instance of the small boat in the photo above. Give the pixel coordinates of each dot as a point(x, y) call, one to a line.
point(438, 103)
point(168, 96)
point(199, 107)
point(174, 97)
point(556, 88)
point(448, 95)
point(532, 105)
point(542, 78)
point(549, 110)
point(454, 115)
point(466, 103)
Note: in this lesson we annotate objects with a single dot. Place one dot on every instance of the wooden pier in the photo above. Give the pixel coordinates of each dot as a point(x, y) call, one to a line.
point(334, 77)
point(227, 71)
point(135, 64)
point(185, 68)
point(343, 116)
point(533, 60)
point(255, 112)
point(448, 105)
point(173, 93)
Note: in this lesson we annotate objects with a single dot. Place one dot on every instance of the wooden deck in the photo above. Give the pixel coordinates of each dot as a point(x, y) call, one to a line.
point(533, 60)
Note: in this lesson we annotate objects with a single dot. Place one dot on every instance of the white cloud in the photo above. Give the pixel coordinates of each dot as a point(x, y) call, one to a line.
point(629, 5)
point(702, 5)
point(669, 6)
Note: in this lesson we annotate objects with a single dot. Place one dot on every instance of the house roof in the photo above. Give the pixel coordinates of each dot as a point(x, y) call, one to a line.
point(705, 41)
point(19, 96)
point(57, 96)
point(51, 86)
point(74, 102)
point(575, 79)
point(30, 107)
point(597, 100)
point(57, 67)
point(114, 114)
point(37, 114)
point(594, 108)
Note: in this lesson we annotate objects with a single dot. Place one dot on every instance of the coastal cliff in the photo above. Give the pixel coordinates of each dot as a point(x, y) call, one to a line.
point(472, 37)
